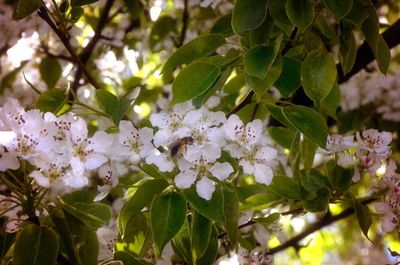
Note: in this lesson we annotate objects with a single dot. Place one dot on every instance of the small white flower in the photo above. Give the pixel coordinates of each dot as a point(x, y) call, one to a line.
point(107, 238)
point(245, 136)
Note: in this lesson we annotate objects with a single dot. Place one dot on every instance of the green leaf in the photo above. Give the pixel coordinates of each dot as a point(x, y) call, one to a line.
point(339, 8)
point(115, 108)
point(300, 13)
point(358, 13)
point(26, 7)
point(270, 219)
point(231, 213)
point(200, 100)
point(212, 250)
point(340, 178)
point(127, 258)
point(364, 217)
point(52, 100)
point(79, 241)
point(223, 26)
point(6, 241)
point(94, 215)
point(283, 136)
point(291, 68)
point(212, 209)
point(258, 202)
point(277, 10)
point(134, 7)
point(331, 102)
point(276, 112)
point(168, 213)
point(137, 235)
point(194, 49)
point(308, 150)
point(160, 30)
point(142, 197)
point(258, 60)
point(370, 28)
point(35, 245)
point(285, 187)
point(260, 86)
point(347, 50)
point(309, 122)
point(182, 245)
point(50, 71)
point(82, 2)
point(313, 180)
point(320, 203)
point(200, 235)
point(193, 81)
point(318, 74)
point(76, 13)
point(248, 15)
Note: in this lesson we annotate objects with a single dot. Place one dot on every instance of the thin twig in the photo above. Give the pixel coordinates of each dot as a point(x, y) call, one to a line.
point(43, 13)
point(88, 50)
point(185, 22)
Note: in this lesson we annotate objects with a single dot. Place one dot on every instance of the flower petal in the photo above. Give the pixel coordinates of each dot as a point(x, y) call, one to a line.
point(221, 170)
point(205, 188)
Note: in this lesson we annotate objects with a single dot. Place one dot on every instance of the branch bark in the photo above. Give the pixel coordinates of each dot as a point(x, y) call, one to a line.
point(88, 50)
point(43, 13)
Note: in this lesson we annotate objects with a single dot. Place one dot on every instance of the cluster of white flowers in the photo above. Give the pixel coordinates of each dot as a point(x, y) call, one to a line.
point(66, 157)
point(366, 151)
point(195, 140)
point(12, 30)
point(390, 207)
point(379, 91)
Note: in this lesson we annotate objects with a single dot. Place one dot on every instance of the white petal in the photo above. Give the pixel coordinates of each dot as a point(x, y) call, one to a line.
point(145, 135)
point(160, 120)
point(263, 174)
point(389, 222)
point(221, 170)
point(185, 179)
point(8, 161)
point(266, 153)
point(248, 168)
point(94, 161)
point(101, 142)
point(78, 167)
point(161, 161)
point(233, 128)
point(162, 137)
point(253, 131)
point(40, 179)
point(235, 150)
point(205, 188)
point(6, 137)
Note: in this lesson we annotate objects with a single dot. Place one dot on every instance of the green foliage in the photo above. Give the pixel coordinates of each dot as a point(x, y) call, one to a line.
point(212, 209)
point(201, 229)
point(194, 49)
point(114, 107)
point(318, 74)
point(143, 196)
point(168, 213)
point(198, 77)
point(300, 13)
point(160, 30)
point(52, 100)
point(309, 122)
point(24, 8)
point(248, 15)
point(231, 213)
point(35, 245)
point(291, 68)
point(285, 187)
point(339, 8)
point(82, 2)
point(364, 217)
point(340, 178)
point(50, 71)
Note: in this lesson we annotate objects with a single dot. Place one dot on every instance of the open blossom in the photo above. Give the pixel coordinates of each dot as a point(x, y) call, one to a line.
point(254, 151)
point(340, 145)
point(199, 169)
point(134, 143)
point(107, 238)
point(373, 146)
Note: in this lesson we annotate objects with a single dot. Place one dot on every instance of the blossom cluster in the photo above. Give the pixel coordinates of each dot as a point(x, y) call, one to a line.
point(365, 151)
point(371, 154)
point(192, 140)
point(379, 91)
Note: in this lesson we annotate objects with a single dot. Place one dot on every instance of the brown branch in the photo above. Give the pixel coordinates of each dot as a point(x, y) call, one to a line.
point(325, 221)
point(185, 22)
point(42, 12)
point(88, 50)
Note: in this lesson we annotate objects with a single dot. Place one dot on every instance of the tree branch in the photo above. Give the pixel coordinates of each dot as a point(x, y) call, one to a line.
point(325, 221)
point(42, 12)
point(185, 22)
point(88, 50)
